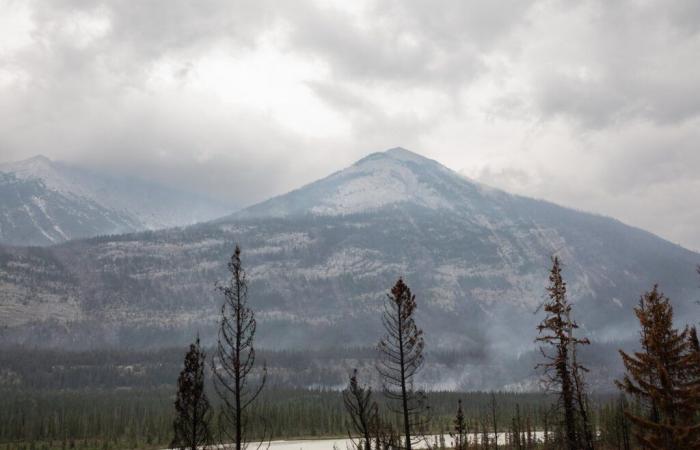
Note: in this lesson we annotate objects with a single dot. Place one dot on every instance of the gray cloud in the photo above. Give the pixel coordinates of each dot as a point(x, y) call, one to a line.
point(629, 60)
point(591, 104)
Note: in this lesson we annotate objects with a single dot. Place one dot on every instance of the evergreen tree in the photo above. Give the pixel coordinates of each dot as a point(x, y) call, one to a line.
point(358, 403)
point(459, 432)
point(235, 357)
point(191, 425)
point(663, 376)
point(561, 371)
point(401, 352)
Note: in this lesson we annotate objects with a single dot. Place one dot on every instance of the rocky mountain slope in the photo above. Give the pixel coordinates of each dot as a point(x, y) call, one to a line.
point(321, 259)
point(44, 202)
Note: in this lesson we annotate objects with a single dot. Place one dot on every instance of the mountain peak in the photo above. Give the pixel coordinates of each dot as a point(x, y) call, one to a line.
point(402, 154)
point(395, 176)
point(398, 154)
point(34, 161)
point(25, 165)
point(38, 166)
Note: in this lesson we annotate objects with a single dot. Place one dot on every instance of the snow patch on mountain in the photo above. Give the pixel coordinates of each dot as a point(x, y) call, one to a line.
point(376, 183)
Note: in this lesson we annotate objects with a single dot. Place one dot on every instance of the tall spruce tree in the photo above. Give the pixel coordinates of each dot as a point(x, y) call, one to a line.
point(362, 411)
point(401, 351)
point(662, 376)
point(234, 360)
point(192, 410)
point(561, 371)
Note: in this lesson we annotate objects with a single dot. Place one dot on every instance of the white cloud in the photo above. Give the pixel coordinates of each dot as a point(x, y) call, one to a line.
point(591, 104)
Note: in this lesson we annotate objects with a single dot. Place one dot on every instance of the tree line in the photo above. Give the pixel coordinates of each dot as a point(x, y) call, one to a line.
point(658, 408)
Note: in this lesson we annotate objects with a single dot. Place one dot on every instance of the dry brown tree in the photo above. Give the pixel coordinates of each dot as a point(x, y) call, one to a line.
point(663, 377)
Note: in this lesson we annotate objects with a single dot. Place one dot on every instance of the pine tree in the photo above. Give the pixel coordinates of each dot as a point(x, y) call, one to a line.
point(460, 433)
point(561, 371)
point(191, 425)
point(358, 403)
point(661, 376)
point(235, 357)
point(401, 352)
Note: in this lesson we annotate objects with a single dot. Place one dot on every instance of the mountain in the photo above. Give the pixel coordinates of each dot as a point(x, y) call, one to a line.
point(321, 259)
point(45, 202)
point(33, 214)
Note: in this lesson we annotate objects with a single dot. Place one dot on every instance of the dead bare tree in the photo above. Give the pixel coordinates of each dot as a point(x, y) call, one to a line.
point(561, 372)
point(234, 360)
point(401, 352)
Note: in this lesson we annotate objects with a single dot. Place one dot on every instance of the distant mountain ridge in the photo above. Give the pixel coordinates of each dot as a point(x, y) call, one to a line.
point(44, 202)
point(320, 260)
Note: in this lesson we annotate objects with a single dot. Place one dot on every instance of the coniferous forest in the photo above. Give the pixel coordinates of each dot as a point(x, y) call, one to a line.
point(235, 394)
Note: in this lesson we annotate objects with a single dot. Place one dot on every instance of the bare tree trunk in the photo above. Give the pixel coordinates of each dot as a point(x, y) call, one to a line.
point(363, 413)
point(235, 357)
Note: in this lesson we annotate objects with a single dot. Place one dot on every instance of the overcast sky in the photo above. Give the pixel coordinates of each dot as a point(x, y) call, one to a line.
point(593, 105)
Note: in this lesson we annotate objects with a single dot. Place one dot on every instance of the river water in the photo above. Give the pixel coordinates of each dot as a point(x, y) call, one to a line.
point(346, 444)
